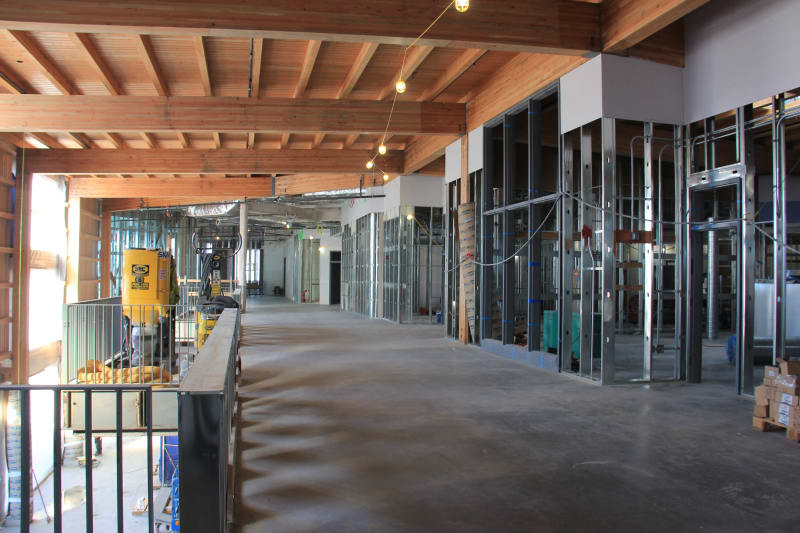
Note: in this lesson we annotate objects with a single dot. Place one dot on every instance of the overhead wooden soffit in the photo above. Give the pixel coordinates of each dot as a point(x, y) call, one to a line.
point(195, 161)
point(47, 113)
point(520, 78)
point(629, 22)
point(143, 191)
point(549, 26)
point(128, 204)
point(143, 187)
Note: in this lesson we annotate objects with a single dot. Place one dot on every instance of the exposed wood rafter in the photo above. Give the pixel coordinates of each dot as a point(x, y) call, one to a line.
point(151, 64)
point(196, 161)
point(96, 61)
point(35, 113)
point(48, 68)
point(546, 26)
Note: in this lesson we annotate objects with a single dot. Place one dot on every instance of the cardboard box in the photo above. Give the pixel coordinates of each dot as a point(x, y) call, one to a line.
point(764, 394)
point(788, 383)
point(785, 415)
point(761, 411)
point(790, 366)
point(770, 373)
point(784, 398)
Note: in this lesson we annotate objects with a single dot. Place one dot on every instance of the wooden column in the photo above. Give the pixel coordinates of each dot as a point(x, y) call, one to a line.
point(463, 330)
point(20, 369)
point(105, 254)
point(72, 287)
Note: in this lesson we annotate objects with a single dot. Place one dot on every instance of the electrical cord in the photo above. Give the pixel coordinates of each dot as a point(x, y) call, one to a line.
point(515, 254)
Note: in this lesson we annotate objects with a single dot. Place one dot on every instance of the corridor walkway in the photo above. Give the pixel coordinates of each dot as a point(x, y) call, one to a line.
point(351, 424)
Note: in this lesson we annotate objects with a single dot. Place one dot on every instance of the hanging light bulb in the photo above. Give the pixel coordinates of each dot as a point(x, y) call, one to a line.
point(410, 216)
point(386, 177)
point(462, 5)
point(370, 164)
point(400, 86)
point(382, 149)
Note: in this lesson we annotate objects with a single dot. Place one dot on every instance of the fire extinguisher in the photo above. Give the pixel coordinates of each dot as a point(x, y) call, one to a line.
point(304, 295)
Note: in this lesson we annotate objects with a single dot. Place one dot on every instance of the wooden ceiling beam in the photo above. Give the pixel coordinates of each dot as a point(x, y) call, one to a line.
point(628, 22)
point(258, 52)
point(353, 75)
point(34, 112)
point(12, 82)
point(45, 64)
point(116, 140)
point(309, 60)
point(522, 76)
point(149, 140)
point(151, 64)
point(47, 140)
point(202, 64)
point(545, 26)
point(453, 71)
point(195, 161)
point(82, 139)
point(413, 60)
point(357, 69)
point(84, 42)
point(164, 187)
point(308, 183)
point(132, 204)
point(424, 151)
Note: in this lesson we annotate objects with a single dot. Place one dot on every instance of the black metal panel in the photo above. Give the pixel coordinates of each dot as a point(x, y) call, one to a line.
point(509, 175)
point(534, 219)
point(200, 419)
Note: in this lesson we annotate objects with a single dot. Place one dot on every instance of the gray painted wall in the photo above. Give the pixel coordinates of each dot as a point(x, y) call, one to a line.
point(738, 52)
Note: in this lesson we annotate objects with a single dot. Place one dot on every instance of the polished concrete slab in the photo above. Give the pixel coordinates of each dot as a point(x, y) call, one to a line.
point(350, 424)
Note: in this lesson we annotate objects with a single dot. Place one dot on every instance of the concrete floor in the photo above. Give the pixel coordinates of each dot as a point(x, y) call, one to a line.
point(350, 424)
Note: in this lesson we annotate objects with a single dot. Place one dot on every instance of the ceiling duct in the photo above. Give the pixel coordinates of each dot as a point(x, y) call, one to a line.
point(209, 210)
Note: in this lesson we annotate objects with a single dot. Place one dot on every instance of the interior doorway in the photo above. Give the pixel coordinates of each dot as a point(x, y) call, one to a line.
point(336, 278)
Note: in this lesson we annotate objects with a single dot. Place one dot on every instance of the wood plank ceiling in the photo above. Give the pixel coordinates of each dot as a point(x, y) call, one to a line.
point(48, 57)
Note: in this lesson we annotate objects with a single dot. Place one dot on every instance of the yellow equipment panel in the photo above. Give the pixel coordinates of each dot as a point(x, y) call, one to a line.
point(145, 285)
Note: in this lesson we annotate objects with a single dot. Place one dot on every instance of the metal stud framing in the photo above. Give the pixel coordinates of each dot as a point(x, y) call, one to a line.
point(608, 306)
point(567, 256)
point(647, 367)
point(587, 260)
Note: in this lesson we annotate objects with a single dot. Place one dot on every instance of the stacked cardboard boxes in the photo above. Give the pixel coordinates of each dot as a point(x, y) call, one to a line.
point(778, 399)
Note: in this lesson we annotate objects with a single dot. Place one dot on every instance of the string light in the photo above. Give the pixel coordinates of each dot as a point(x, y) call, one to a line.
point(409, 217)
point(400, 86)
point(386, 177)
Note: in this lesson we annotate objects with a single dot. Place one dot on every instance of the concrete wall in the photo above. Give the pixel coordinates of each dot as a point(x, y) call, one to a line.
point(329, 244)
point(740, 51)
point(274, 254)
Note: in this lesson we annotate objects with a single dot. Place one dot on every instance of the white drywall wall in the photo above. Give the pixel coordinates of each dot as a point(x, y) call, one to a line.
point(581, 95)
point(274, 254)
point(452, 162)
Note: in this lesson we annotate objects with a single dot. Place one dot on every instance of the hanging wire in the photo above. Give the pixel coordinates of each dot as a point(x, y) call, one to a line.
point(402, 68)
point(515, 254)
